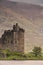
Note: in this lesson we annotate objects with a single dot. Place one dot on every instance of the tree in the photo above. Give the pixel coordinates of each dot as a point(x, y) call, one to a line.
point(37, 51)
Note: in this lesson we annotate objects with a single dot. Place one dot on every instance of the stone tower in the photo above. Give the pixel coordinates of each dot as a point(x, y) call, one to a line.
point(18, 40)
point(13, 39)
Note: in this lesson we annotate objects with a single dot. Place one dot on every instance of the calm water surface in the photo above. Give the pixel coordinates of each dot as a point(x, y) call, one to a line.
point(21, 62)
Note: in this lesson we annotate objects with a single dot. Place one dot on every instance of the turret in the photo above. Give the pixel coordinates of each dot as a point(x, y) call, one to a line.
point(16, 27)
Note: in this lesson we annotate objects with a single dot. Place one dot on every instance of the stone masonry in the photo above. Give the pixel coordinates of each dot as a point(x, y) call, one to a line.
point(13, 39)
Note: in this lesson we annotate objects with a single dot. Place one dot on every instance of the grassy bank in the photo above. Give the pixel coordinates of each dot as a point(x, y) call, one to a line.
point(8, 55)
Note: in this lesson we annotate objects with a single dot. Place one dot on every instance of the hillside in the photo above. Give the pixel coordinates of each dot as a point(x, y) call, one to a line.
point(29, 16)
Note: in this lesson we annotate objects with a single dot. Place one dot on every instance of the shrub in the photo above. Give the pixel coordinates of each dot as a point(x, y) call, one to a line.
point(7, 52)
point(37, 51)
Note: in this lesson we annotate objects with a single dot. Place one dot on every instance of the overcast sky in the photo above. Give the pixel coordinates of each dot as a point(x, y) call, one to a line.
point(38, 2)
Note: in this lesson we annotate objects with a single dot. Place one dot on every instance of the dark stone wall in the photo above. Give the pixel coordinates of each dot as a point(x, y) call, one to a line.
point(13, 39)
point(21, 42)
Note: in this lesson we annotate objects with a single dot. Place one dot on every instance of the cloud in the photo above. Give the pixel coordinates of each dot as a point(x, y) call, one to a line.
point(38, 2)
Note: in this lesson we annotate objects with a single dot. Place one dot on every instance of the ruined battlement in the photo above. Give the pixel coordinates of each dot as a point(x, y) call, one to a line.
point(17, 28)
point(13, 39)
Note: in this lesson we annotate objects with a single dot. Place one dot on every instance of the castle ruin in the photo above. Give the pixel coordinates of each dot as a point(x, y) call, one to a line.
point(13, 39)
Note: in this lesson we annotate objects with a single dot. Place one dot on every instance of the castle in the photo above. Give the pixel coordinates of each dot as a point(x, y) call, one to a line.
point(13, 39)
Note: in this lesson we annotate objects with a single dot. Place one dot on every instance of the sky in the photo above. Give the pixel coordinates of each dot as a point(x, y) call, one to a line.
point(37, 2)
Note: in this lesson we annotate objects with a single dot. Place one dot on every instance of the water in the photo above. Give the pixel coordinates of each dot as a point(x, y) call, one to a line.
point(21, 62)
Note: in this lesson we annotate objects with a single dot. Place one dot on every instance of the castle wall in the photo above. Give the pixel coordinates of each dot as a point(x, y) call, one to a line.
point(18, 42)
point(13, 40)
point(7, 41)
point(21, 42)
point(18, 39)
point(15, 36)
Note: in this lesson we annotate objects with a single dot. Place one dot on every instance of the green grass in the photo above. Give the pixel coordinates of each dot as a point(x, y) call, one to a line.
point(8, 55)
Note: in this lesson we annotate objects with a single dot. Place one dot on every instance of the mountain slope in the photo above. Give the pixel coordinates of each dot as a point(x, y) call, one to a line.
point(30, 17)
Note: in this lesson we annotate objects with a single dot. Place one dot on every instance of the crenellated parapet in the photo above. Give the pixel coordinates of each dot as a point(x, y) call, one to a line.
point(16, 28)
